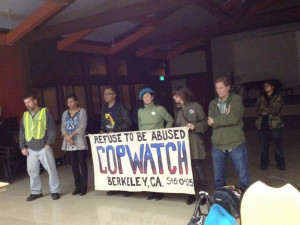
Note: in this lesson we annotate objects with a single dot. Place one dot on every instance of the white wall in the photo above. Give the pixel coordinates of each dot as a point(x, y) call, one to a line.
point(271, 53)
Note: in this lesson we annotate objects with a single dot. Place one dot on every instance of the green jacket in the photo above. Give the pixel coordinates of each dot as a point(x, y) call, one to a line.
point(273, 111)
point(153, 117)
point(192, 112)
point(227, 128)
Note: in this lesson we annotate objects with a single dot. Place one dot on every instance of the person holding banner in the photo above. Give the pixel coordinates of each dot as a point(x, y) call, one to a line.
point(190, 113)
point(151, 117)
point(73, 126)
point(225, 116)
point(115, 118)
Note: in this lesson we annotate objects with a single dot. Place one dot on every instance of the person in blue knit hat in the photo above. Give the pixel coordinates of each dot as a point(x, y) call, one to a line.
point(152, 116)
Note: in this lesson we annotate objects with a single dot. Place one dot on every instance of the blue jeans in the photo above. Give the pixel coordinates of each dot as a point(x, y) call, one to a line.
point(239, 159)
point(265, 139)
point(44, 156)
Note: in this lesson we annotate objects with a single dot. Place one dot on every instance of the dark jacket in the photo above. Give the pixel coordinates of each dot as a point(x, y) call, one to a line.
point(122, 118)
point(227, 128)
point(271, 110)
point(192, 112)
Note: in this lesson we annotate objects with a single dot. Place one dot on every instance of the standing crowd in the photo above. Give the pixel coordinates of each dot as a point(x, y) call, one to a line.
point(225, 117)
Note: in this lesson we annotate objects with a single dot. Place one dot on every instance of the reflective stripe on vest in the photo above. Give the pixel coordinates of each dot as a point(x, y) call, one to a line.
point(35, 127)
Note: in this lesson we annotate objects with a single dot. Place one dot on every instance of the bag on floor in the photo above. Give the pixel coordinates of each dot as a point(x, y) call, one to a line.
point(219, 216)
point(199, 217)
point(229, 197)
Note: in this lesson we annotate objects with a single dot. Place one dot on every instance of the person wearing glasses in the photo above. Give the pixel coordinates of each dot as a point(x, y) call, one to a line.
point(268, 109)
point(115, 118)
point(150, 117)
point(73, 126)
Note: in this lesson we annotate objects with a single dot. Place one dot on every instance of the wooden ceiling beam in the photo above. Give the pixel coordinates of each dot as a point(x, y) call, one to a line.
point(213, 9)
point(62, 2)
point(157, 55)
point(131, 39)
point(230, 6)
point(88, 48)
point(261, 6)
point(145, 51)
point(110, 16)
point(147, 21)
point(71, 45)
point(72, 38)
point(182, 48)
point(3, 39)
point(31, 22)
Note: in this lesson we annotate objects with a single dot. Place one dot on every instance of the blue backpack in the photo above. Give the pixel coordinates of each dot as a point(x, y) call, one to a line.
point(219, 216)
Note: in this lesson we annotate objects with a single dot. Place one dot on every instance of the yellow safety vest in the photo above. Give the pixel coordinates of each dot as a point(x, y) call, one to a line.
point(35, 127)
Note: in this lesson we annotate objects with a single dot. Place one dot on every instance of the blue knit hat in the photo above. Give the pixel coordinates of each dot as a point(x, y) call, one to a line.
point(145, 90)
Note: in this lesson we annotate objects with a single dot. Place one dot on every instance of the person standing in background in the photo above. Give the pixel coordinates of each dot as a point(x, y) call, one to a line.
point(37, 134)
point(190, 113)
point(268, 109)
point(73, 127)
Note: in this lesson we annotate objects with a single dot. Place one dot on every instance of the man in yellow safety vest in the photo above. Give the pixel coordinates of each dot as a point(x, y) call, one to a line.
point(37, 134)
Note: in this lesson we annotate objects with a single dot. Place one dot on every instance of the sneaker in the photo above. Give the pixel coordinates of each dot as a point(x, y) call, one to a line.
point(55, 196)
point(34, 197)
point(151, 196)
point(190, 199)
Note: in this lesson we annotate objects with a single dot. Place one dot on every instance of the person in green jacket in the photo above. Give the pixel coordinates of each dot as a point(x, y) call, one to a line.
point(150, 117)
point(190, 113)
point(225, 116)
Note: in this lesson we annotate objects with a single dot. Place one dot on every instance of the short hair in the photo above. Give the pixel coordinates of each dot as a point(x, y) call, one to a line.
point(112, 88)
point(29, 95)
point(223, 80)
point(72, 96)
point(185, 93)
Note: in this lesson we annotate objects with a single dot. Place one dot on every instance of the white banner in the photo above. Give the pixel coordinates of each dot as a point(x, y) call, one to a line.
point(154, 161)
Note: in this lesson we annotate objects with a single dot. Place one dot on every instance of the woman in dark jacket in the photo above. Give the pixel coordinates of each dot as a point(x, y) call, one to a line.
point(190, 113)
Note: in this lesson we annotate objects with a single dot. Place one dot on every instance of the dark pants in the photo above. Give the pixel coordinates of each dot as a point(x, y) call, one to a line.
point(78, 158)
point(265, 138)
point(200, 182)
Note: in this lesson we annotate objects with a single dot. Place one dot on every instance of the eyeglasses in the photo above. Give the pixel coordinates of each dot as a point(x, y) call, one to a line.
point(107, 94)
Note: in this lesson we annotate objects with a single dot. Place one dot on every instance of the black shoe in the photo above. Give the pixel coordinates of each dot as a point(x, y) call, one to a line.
point(159, 196)
point(55, 196)
point(126, 193)
point(83, 192)
point(111, 192)
point(264, 167)
point(281, 167)
point(34, 197)
point(151, 196)
point(190, 199)
point(76, 191)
